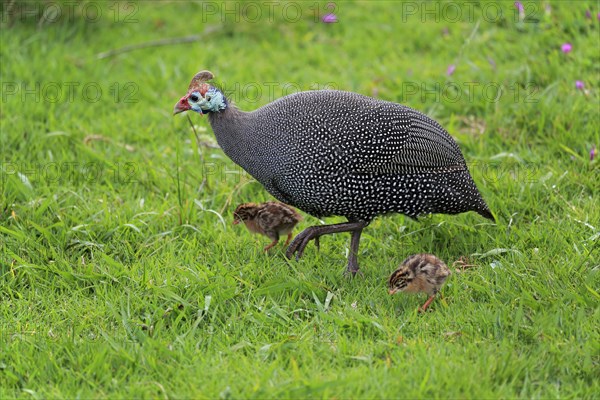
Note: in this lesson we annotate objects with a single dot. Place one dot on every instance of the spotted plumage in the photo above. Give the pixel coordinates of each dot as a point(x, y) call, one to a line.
point(419, 273)
point(331, 152)
point(272, 219)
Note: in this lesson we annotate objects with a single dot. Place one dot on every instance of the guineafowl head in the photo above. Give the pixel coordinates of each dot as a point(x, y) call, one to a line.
point(202, 96)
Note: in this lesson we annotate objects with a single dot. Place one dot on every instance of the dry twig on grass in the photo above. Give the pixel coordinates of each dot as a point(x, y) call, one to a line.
point(157, 43)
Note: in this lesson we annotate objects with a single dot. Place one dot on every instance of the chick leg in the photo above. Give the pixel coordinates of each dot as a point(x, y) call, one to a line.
point(270, 245)
point(423, 308)
point(289, 238)
point(274, 236)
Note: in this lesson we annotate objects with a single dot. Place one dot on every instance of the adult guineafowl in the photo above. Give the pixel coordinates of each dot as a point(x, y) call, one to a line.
point(330, 152)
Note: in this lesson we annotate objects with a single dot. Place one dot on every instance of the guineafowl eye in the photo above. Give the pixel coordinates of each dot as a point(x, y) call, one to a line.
point(194, 98)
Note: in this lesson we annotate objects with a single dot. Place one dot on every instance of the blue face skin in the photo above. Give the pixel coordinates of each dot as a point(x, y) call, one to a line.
point(212, 101)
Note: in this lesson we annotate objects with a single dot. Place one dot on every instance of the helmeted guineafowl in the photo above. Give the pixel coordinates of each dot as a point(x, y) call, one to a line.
point(330, 152)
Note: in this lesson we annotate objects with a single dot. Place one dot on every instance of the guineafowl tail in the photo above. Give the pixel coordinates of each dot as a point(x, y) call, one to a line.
point(487, 214)
point(456, 193)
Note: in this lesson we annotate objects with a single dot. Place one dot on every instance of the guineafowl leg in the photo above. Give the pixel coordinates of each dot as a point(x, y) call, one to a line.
point(423, 308)
point(314, 232)
point(352, 267)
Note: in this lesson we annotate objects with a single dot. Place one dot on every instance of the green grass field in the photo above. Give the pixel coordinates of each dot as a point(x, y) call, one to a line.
point(122, 276)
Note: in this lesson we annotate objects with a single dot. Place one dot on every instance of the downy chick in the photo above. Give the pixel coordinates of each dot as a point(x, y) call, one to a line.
point(272, 219)
point(419, 273)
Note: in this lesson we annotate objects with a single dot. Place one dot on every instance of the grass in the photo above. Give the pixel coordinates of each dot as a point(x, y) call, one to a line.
point(122, 276)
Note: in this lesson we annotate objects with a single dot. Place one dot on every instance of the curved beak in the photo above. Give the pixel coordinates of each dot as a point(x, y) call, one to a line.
point(182, 105)
point(392, 291)
point(236, 221)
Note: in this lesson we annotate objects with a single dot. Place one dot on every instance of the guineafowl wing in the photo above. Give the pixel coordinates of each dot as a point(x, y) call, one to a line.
point(402, 140)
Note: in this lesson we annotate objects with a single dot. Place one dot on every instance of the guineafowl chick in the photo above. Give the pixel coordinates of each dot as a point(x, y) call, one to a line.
point(419, 273)
point(272, 219)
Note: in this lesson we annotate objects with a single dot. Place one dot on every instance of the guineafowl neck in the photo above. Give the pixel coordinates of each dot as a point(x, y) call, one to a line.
point(232, 129)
